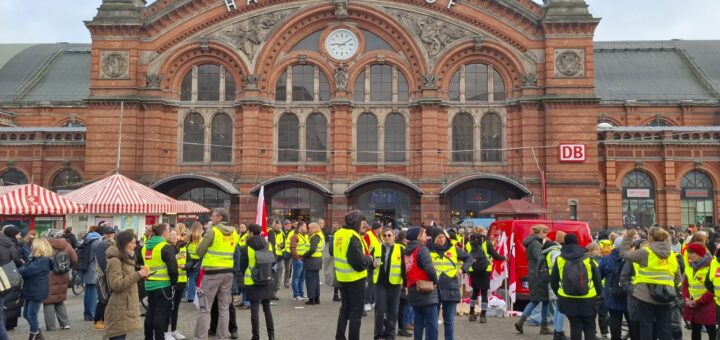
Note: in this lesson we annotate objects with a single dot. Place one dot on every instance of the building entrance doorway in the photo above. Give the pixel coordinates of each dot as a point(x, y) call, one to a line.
point(385, 215)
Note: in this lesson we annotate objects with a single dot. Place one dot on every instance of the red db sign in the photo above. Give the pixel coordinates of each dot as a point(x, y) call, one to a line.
point(572, 153)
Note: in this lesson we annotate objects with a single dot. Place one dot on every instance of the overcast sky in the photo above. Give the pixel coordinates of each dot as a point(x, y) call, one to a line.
point(35, 21)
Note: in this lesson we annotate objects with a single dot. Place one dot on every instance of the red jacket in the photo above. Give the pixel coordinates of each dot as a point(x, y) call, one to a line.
point(704, 312)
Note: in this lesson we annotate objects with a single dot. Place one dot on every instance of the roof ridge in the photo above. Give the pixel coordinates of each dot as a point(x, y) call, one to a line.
point(38, 75)
point(697, 70)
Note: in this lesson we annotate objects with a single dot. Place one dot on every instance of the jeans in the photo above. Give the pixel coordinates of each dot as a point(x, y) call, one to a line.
point(426, 321)
point(191, 284)
point(351, 310)
point(31, 310)
point(409, 312)
point(558, 319)
point(90, 301)
point(543, 310)
point(3, 332)
point(448, 314)
point(580, 325)
point(370, 287)
point(312, 281)
point(157, 317)
point(298, 278)
point(255, 318)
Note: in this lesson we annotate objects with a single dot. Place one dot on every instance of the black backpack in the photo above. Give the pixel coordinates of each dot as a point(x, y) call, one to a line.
point(61, 262)
point(84, 253)
point(262, 273)
point(575, 280)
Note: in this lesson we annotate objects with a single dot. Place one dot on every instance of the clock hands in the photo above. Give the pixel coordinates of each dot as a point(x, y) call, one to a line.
point(342, 44)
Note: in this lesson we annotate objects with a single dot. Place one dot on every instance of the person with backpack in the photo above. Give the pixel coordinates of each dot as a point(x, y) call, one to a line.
point(64, 259)
point(575, 279)
point(256, 263)
point(539, 293)
point(421, 282)
point(159, 256)
point(615, 296)
point(35, 288)
point(87, 266)
point(699, 308)
point(656, 277)
point(312, 263)
point(482, 253)
point(99, 249)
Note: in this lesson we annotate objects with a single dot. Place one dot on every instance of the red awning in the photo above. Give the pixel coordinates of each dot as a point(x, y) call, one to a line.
point(118, 194)
point(515, 207)
point(190, 207)
point(32, 199)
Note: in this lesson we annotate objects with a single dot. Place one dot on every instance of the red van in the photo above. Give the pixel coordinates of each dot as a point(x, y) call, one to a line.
point(521, 229)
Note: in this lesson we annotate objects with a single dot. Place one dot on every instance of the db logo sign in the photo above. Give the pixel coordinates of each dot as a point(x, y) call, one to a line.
point(572, 153)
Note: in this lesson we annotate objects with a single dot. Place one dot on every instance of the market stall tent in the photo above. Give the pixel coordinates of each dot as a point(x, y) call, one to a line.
point(30, 201)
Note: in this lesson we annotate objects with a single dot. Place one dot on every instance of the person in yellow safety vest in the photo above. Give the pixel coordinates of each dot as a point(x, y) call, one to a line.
point(192, 264)
point(159, 257)
point(276, 238)
point(657, 271)
point(479, 246)
point(388, 278)
point(298, 245)
point(372, 244)
point(180, 248)
point(242, 232)
point(258, 294)
point(287, 257)
point(699, 308)
point(216, 250)
point(575, 279)
point(351, 263)
point(312, 262)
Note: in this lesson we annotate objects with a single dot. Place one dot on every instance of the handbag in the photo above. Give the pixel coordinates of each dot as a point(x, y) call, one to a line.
point(425, 286)
point(9, 277)
point(103, 292)
point(662, 293)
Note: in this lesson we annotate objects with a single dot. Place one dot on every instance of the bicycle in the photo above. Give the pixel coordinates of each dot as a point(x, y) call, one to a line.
point(76, 283)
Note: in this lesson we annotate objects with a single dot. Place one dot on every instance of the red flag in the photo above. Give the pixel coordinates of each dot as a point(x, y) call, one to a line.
point(261, 215)
point(499, 272)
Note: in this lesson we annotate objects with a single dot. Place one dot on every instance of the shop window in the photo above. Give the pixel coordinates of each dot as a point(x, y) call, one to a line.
point(638, 199)
point(395, 138)
point(316, 138)
point(221, 135)
point(193, 138)
point(288, 138)
point(367, 138)
point(696, 202)
point(462, 138)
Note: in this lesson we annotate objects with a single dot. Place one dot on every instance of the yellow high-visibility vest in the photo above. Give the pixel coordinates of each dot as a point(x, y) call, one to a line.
point(658, 271)
point(445, 263)
point(320, 245)
point(251, 264)
point(714, 276)
point(696, 281)
point(303, 244)
point(288, 236)
point(181, 261)
point(591, 284)
point(395, 274)
point(220, 253)
point(192, 250)
point(344, 272)
point(153, 259)
point(279, 240)
point(374, 242)
point(243, 239)
point(487, 254)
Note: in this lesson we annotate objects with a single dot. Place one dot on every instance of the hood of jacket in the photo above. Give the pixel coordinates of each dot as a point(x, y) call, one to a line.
point(153, 241)
point(112, 252)
point(661, 249)
point(530, 239)
point(6, 242)
point(224, 228)
point(257, 242)
point(92, 236)
point(554, 246)
point(410, 248)
point(572, 252)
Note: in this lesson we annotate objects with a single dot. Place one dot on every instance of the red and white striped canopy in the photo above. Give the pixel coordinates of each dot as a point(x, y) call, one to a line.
point(190, 207)
point(32, 199)
point(118, 194)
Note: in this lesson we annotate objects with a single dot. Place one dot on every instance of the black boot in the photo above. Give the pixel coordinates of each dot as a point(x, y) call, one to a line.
point(336, 298)
point(519, 324)
point(483, 319)
point(473, 316)
point(559, 336)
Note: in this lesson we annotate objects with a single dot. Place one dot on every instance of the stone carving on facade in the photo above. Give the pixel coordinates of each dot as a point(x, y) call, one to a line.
point(114, 64)
point(249, 34)
point(435, 34)
point(341, 8)
point(429, 81)
point(204, 44)
point(341, 78)
point(251, 81)
point(569, 63)
point(152, 81)
point(478, 40)
point(529, 79)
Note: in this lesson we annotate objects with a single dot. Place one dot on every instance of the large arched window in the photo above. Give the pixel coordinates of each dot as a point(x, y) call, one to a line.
point(65, 180)
point(638, 193)
point(306, 83)
point(288, 138)
point(395, 138)
point(385, 82)
point(207, 82)
point(316, 138)
point(491, 138)
point(13, 177)
point(476, 83)
point(221, 135)
point(696, 203)
point(462, 138)
point(193, 138)
point(367, 138)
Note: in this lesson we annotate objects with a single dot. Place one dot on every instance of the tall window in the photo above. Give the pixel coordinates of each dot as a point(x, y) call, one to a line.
point(316, 138)
point(207, 82)
point(696, 203)
point(367, 138)
point(13, 177)
point(307, 83)
point(386, 84)
point(462, 138)
point(66, 180)
point(491, 140)
point(193, 138)
point(638, 192)
point(288, 138)
point(395, 138)
point(476, 83)
point(221, 135)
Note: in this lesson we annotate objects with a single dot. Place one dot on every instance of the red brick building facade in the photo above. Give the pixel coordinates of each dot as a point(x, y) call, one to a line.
point(409, 110)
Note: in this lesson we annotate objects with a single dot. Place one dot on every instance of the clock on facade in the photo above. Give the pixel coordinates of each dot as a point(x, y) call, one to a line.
point(342, 44)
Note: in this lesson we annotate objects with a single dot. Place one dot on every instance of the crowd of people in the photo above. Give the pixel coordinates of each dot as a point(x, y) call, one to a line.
point(657, 280)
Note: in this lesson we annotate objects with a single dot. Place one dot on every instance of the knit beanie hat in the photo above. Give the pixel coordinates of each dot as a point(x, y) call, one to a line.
point(413, 233)
point(697, 248)
point(10, 231)
point(571, 238)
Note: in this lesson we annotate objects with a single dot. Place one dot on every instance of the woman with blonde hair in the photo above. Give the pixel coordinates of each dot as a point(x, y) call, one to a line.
point(192, 264)
point(35, 284)
point(181, 229)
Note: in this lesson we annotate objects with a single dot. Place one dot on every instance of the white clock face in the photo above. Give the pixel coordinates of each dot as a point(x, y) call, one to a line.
point(342, 44)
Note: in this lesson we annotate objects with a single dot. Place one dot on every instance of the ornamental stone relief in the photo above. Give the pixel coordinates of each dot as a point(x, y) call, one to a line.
point(249, 34)
point(114, 65)
point(569, 63)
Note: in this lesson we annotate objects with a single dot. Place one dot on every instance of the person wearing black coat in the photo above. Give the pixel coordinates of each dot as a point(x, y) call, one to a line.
point(99, 249)
point(257, 294)
point(9, 252)
point(70, 237)
point(539, 292)
point(480, 279)
point(312, 264)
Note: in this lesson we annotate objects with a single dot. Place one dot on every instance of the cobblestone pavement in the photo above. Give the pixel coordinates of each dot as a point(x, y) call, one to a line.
point(293, 321)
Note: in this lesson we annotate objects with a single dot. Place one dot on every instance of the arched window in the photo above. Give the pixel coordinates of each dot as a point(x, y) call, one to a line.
point(478, 83)
point(696, 202)
point(73, 123)
point(207, 197)
point(307, 83)
point(316, 138)
point(297, 204)
point(462, 138)
point(288, 138)
point(207, 82)
point(367, 138)
point(65, 180)
point(395, 138)
point(193, 138)
point(221, 138)
point(491, 138)
point(13, 177)
point(386, 84)
point(638, 193)
point(658, 122)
